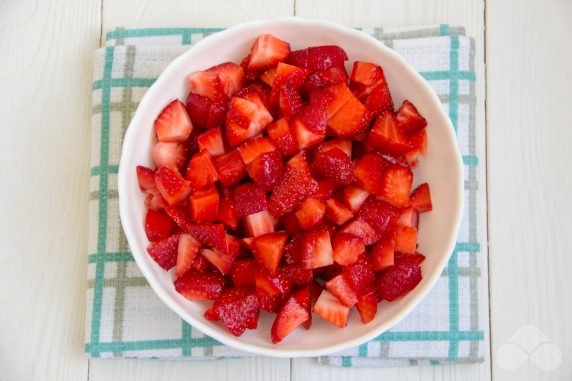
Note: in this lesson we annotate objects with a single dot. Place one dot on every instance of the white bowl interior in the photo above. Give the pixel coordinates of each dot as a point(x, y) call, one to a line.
point(440, 167)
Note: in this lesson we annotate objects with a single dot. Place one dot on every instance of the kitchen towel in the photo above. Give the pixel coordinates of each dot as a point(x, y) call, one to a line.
point(124, 316)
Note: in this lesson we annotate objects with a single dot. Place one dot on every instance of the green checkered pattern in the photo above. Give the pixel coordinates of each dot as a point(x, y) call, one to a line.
point(126, 319)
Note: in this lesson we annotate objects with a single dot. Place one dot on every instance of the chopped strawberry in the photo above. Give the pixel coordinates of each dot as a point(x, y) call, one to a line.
point(158, 225)
point(187, 251)
point(255, 93)
point(421, 198)
point(310, 213)
point(379, 214)
point(281, 137)
point(195, 285)
point(288, 75)
point(325, 57)
point(325, 190)
point(333, 98)
point(354, 197)
point(205, 204)
point(169, 154)
point(164, 252)
point(242, 273)
point(201, 170)
point(405, 239)
point(342, 290)
point(387, 136)
point(252, 149)
point(344, 145)
point(270, 303)
point(231, 77)
point(267, 51)
point(334, 165)
point(269, 248)
point(369, 85)
point(172, 186)
point(409, 118)
point(408, 259)
point(237, 308)
point(217, 112)
point(271, 284)
point(361, 229)
point(297, 275)
point(337, 213)
point(268, 76)
point(155, 201)
point(206, 84)
point(300, 162)
point(294, 187)
point(266, 170)
point(173, 124)
point(212, 142)
point(198, 108)
point(351, 120)
point(309, 126)
point(222, 261)
point(201, 264)
point(290, 223)
point(397, 281)
point(249, 199)
point(409, 217)
point(331, 309)
point(245, 119)
point(212, 235)
point(298, 58)
point(367, 305)
point(146, 178)
point(259, 223)
point(382, 255)
point(179, 214)
point(293, 313)
point(396, 185)
point(347, 248)
point(360, 274)
point(226, 213)
point(289, 101)
point(230, 168)
point(325, 78)
point(369, 171)
point(316, 249)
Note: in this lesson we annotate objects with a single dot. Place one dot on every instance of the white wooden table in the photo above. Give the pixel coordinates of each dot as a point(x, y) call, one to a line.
point(45, 77)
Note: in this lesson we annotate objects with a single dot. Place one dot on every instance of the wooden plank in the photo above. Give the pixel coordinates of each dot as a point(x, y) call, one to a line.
point(44, 164)
point(529, 112)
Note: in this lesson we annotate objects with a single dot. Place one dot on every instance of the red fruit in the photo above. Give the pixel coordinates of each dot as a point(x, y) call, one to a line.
point(316, 249)
point(298, 58)
point(379, 214)
point(331, 309)
point(396, 185)
point(179, 214)
point(409, 217)
point(295, 186)
point(173, 124)
point(255, 93)
point(226, 213)
point(367, 305)
point(333, 98)
point(249, 199)
point(354, 197)
point(397, 281)
point(269, 248)
point(288, 75)
point(387, 136)
point(259, 223)
point(268, 76)
point(155, 201)
point(212, 235)
point(164, 252)
point(369, 85)
point(158, 225)
point(351, 120)
point(271, 284)
point(310, 213)
point(270, 303)
point(408, 259)
point(281, 137)
point(293, 313)
point(369, 171)
point(382, 255)
point(360, 274)
point(172, 186)
point(231, 77)
point(222, 261)
point(252, 149)
point(201, 171)
point(146, 179)
point(325, 78)
point(242, 273)
point(266, 170)
point(237, 308)
point(309, 126)
point(342, 290)
point(205, 205)
point(362, 229)
point(247, 242)
point(187, 251)
point(405, 239)
point(334, 165)
point(347, 248)
point(195, 285)
point(212, 142)
point(409, 118)
point(290, 222)
point(230, 168)
point(201, 264)
point(297, 275)
point(421, 198)
point(337, 213)
point(169, 154)
point(245, 119)
point(198, 108)
point(206, 84)
point(267, 51)
point(289, 101)
point(325, 190)
point(344, 145)
point(217, 112)
point(300, 163)
point(325, 57)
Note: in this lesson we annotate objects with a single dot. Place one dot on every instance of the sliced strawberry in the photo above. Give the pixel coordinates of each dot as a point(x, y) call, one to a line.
point(421, 198)
point(369, 85)
point(195, 285)
point(169, 154)
point(212, 235)
point(310, 213)
point(226, 213)
point(268, 76)
point(396, 185)
point(270, 303)
point(405, 239)
point(217, 112)
point(205, 204)
point(173, 124)
point(155, 201)
point(290, 223)
point(293, 313)
point(367, 305)
point(333, 98)
point(351, 120)
point(362, 229)
point(289, 101)
point(201, 170)
point(255, 93)
point(316, 249)
point(172, 186)
point(294, 187)
point(259, 223)
point(379, 214)
point(331, 309)
point(179, 214)
point(337, 213)
point(297, 275)
point(245, 119)
point(201, 264)
point(269, 248)
point(344, 145)
point(242, 273)
point(298, 58)
point(409, 118)
point(230, 168)
point(309, 126)
point(325, 190)
point(247, 242)
point(281, 137)
point(212, 142)
point(408, 259)
point(205, 83)
point(288, 75)
point(342, 290)
point(237, 308)
point(266, 170)
point(164, 252)
point(325, 78)
point(300, 162)
point(231, 77)
point(386, 135)
point(369, 172)
point(334, 165)
point(249, 199)
point(252, 149)
point(187, 251)
point(409, 217)
point(158, 225)
point(360, 274)
point(325, 57)
point(347, 248)
point(354, 197)
point(382, 255)
point(198, 108)
point(267, 51)
point(419, 142)
point(397, 281)
point(271, 284)
point(146, 178)
point(222, 261)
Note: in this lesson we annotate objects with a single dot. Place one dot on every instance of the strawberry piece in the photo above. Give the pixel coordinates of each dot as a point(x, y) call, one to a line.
point(409, 217)
point(337, 213)
point(297, 275)
point(169, 154)
point(230, 168)
point(295, 186)
point(247, 242)
point(310, 213)
point(172, 186)
point(267, 51)
point(269, 248)
point(173, 124)
point(237, 308)
point(158, 225)
point(344, 145)
point(360, 274)
point(212, 142)
point(316, 249)
point(201, 170)
point(342, 290)
point(362, 229)
point(208, 234)
point(270, 303)
point(221, 260)
point(252, 149)
point(266, 170)
point(201, 264)
point(290, 222)
point(249, 199)
point(397, 281)
point(331, 309)
point(325, 78)
point(187, 251)
point(146, 179)
point(205, 204)
point(217, 112)
point(231, 77)
point(206, 84)
point(354, 197)
point(325, 190)
point(347, 248)
point(408, 259)
point(421, 198)
point(289, 101)
point(369, 171)
point(195, 285)
point(405, 239)
point(281, 137)
point(379, 214)
point(242, 273)
point(271, 284)
point(419, 143)
point(288, 75)
point(245, 119)
point(299, 162)
point(298, 58)
point(293, 313)
point(382, 255)
point(351, 120)
point(259, 223)
point(409, 118)
point(164, 252)
point(386, 135)
point(226, 213)
point(333, 98)
point(309, 126)
point(179, 214)
point(255, 93)
point(369, 85)
point(325, 57)
point(155, 201)
point(396, 185)
point(198, 108)
point(367, 306)
point(268, 76)
point(334, 165)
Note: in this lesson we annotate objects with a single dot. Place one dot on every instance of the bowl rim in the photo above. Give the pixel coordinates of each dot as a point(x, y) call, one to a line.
point(226, 339)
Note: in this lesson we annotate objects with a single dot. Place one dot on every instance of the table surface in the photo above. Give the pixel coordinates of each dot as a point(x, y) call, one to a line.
point(44, 161)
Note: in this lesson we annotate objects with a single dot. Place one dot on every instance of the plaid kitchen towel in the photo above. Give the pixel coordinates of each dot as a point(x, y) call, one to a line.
point(124, 316)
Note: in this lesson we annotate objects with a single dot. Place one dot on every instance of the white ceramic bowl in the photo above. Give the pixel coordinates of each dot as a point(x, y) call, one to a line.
point(441, 167)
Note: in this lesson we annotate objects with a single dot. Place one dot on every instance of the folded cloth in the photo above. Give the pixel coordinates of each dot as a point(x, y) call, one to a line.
point(124, 316)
